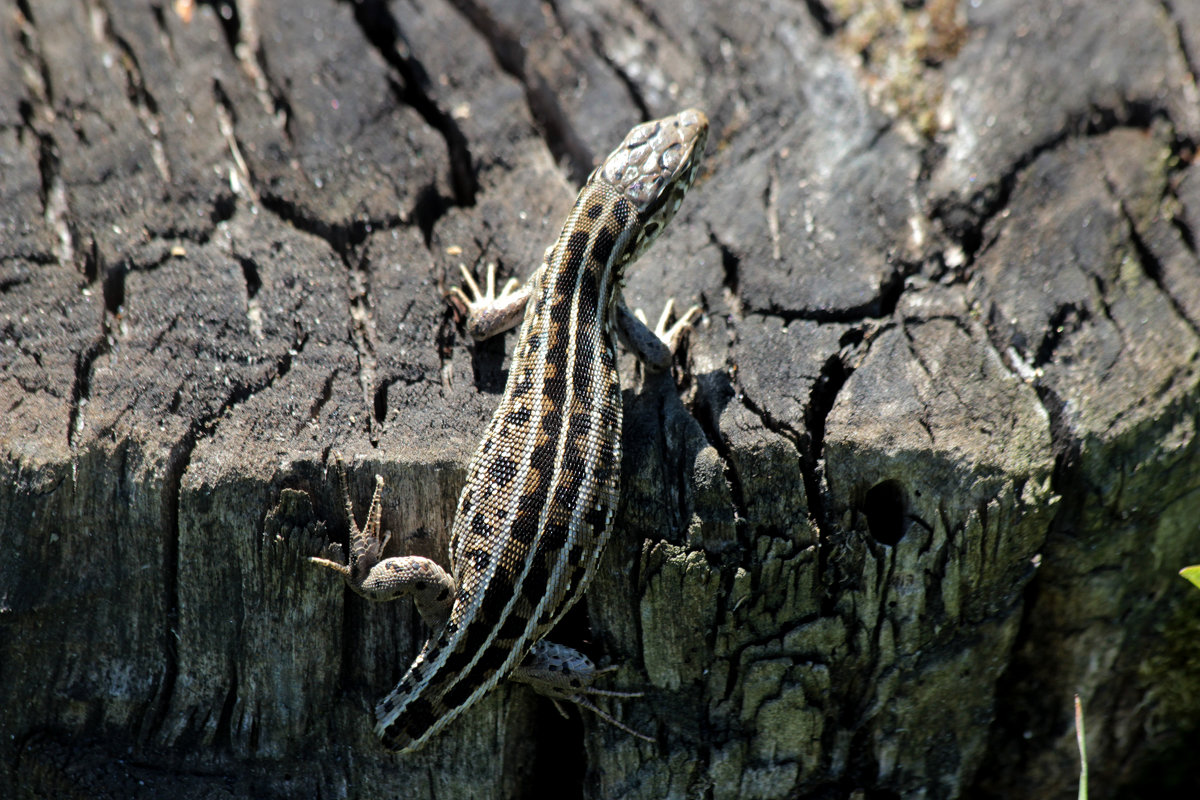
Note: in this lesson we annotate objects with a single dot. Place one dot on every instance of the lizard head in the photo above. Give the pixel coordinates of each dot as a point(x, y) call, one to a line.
point(654, 167)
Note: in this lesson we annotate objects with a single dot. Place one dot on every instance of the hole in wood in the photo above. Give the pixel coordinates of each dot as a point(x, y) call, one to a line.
point(884, 509)
point(381, 403)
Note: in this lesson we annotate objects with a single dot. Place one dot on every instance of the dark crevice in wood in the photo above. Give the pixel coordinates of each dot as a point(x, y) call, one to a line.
point(362, 337)
point(135, 85)
point(282, 366)
point(1186, 234)
point(855, 701)
point(177, 462)
point(852, 338)
point(881, 306)
point(1181, 40)
point(965, 220)
point(1151, 267)
point(178, 458)
point(731, 268)
point(675, 465)
point(444, 341)
point(651, 16)
point(730, 263)
point(92, 261)
point(429, 207)
point(559, 757)
point(35, 110)
point(224, 207)
point(81, 387)
point(1135, 113)
point(931, 154)
point(1016, 717)
point(1065, 443)
point(884, 507)
point(54, 198)
point(7, 284)
point(560, 761)
point(834, 373)
point(563, 28)
point(31, 53)
point(253, 283)
point(560, 136)
point(891, 288)
point(318, 403)
point(403, 373)
point(383, 31)
point(627, 80)
point(243, 43)
point(1101, 298)
point(229, 17)
point(250, 275)
point(114, 288)
point(380, 402)
point(47, 160)
point(164, 31)
point(823, 17)
point(248, 51)
point(223, 729)
point(343, 238)
point(140, 98)
point(714, 393)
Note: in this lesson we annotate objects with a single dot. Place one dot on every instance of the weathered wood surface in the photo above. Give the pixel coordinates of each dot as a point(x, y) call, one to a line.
point(929, 468)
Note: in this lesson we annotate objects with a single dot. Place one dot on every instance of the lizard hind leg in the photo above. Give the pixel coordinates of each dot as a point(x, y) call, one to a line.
point(655, 347)
point(377, 578)
point(563, 673)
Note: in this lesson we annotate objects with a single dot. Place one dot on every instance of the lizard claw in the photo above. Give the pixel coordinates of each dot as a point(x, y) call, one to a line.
point(671, 336)
point(367, 543)
point(489, 313)
point(478, 299)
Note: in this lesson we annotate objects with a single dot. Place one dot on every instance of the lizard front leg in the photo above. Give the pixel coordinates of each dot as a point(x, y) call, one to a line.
point(490, 313)
point(654, 348)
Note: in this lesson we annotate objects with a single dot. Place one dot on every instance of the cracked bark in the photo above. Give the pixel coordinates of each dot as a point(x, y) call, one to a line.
point(928, 470)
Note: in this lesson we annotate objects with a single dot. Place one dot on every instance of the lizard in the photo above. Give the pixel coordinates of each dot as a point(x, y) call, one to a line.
point(537, 507)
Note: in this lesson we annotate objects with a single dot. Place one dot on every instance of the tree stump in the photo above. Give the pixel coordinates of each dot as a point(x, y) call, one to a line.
point(927, 468)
